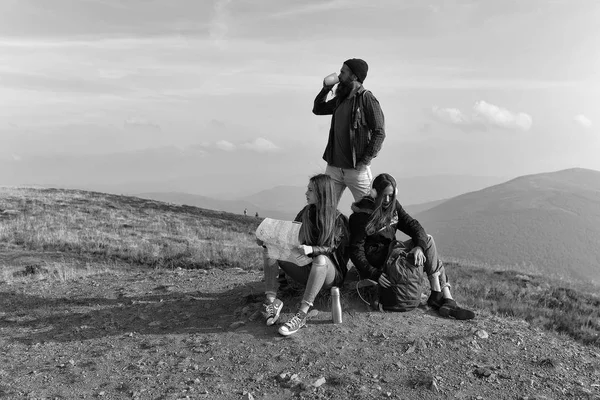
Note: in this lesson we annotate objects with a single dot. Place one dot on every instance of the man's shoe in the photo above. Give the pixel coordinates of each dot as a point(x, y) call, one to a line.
point(271, 311)
point(451, 309)
point(294, 324)
point(435, 300)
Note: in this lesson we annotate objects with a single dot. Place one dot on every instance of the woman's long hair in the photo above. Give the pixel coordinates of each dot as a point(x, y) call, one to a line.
point(381, 216)
point(320, 230)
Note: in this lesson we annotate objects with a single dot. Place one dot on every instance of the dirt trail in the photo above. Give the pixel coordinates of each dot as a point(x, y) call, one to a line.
point(192, 334)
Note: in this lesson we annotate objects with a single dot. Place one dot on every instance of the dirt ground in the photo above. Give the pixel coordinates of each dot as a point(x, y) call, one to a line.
point(193, 334)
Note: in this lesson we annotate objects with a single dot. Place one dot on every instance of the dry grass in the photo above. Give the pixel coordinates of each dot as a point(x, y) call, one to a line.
point(99, 226)
point(566, 307)
point(62, 271)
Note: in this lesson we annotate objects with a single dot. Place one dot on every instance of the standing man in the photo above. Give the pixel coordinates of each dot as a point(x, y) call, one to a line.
point(357, 129)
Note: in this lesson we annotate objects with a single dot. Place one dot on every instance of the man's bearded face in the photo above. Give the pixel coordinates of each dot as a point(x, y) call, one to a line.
point(343, 89)
point(345, 85)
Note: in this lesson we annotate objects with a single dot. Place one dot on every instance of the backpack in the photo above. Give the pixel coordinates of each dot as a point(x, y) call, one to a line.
point(406, 278)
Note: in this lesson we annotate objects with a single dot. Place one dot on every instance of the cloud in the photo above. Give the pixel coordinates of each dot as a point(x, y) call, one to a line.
point(225, 145)
point(137, 122)
point(319, 7)
point(501, 117)
point(16, 157)
point(583, 121)
point(59, 83)
point(450, 115)
point(219, 24)
point(261, 145)
point(483, 115)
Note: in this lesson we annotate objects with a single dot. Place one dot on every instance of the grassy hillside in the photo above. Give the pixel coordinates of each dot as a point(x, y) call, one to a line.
point(97, 226)
point(100, 230)
point(548, 223)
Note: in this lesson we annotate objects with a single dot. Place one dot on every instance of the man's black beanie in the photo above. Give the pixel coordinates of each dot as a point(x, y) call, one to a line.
point(358, 67)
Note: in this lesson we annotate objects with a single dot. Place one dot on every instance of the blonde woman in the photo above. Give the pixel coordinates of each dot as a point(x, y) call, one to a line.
point(324, 237)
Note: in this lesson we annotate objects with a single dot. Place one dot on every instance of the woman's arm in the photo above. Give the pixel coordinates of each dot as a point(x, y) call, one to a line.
point(341, 238)
point(358, 236)
point(411, 227)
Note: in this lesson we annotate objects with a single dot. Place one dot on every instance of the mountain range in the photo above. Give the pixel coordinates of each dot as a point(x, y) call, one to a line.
point(284, 201)
point(546, 222)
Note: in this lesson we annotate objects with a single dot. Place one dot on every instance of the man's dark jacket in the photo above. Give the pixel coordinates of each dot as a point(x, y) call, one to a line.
point(367, 130)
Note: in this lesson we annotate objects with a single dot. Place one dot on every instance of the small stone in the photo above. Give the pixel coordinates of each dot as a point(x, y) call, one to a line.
point(283, 377)
point(481, 334)
point(247, 396)
point(483, 372)
point(319, 382)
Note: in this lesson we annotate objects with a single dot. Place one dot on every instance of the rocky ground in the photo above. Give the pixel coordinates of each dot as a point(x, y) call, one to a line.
point(155, 334)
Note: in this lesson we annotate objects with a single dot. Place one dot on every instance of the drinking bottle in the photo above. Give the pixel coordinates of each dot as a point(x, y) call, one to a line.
point(336, 306)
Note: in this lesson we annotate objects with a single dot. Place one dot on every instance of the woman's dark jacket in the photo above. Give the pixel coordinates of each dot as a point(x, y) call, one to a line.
point(369, 252)
point(338, 253)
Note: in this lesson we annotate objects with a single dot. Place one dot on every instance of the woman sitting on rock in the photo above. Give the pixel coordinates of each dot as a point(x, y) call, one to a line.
point(324, 237)
point(373, 225)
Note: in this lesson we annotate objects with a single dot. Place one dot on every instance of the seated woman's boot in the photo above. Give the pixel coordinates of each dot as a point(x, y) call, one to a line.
point(450, 309)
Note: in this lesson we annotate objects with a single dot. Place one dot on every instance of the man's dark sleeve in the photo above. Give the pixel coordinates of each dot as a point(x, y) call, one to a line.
point(358, 235)
point(376, 123)
point(321, 105)
point(411, 227)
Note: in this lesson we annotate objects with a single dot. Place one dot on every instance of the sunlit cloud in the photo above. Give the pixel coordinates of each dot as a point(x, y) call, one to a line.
point(583, 121)
point(483, 115)
point(261, 145)
point(225, 145)
point(491, 114)
point(450, 115)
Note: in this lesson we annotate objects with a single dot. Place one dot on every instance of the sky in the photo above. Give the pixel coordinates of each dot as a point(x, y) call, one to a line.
point(216, 96)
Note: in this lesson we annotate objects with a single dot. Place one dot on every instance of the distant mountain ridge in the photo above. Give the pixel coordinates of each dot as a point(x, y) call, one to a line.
point(549, 222)
point(415, 193)
point(232, 206)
